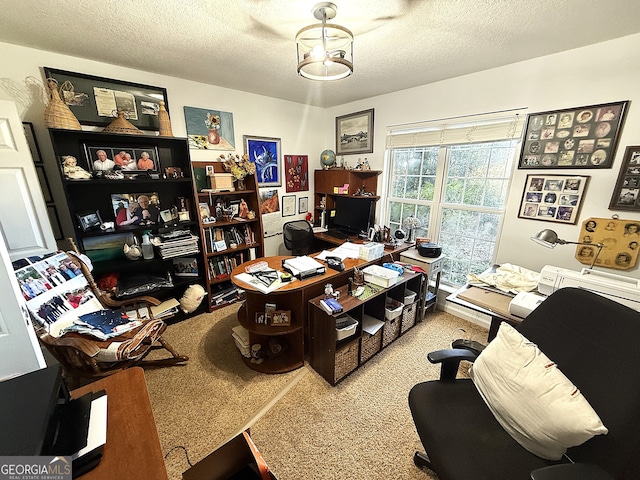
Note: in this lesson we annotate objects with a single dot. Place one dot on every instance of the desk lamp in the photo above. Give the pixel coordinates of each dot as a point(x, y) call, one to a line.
point(549, 238)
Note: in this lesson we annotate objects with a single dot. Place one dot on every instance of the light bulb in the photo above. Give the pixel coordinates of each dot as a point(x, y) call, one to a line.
point(317, 52)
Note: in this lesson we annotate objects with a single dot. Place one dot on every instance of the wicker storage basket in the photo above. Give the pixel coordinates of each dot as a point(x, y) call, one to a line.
point(390, 331)
point(408, 317)
point(346, 360)
point(371, 345)
point(57, 114)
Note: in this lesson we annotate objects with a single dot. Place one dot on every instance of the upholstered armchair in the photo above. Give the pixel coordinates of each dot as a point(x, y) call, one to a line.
point(558, 398)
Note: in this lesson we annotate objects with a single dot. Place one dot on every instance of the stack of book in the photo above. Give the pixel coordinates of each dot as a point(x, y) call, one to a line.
point(178, 243)
point(226, 296)
point(331, 305)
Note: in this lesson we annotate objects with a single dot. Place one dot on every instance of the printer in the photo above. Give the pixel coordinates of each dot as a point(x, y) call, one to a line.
point(619, 288)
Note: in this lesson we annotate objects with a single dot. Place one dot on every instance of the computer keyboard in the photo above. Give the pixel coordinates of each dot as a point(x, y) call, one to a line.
point(337, 234)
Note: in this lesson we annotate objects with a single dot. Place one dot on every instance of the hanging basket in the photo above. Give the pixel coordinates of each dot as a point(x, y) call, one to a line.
point(57, 114)
point(122, 125)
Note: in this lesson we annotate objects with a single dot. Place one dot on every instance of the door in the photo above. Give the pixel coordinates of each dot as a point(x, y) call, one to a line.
point(24, 231)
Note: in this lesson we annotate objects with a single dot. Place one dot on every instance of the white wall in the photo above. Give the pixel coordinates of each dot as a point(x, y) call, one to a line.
point(302, 129)
point(602, 73)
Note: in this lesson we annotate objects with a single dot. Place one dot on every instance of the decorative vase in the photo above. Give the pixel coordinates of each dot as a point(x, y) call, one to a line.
point(164, 123)
point(213, 137)
point(241, 185)
point(122, 125)
point(57, 114)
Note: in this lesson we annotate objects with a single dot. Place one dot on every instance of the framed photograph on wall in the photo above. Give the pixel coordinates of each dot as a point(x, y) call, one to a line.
point(626, 194)
point(553, 198)
point(354, 133)
point(583, 137)
point(303, 204)
point(96, 100)
point(265, 153)
point(288, 205)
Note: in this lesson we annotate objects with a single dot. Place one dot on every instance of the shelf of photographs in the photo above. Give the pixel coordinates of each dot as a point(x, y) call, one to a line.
point(132, 185)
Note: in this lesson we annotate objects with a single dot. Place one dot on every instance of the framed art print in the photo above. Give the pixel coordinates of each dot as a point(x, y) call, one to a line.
point(265, 153)
point(354, 133)
point(95, 100)
point(583, 137)
point(209, 129)
point(553, 198)
point(296, 173)
point(626, 194)
point(288, 205)
point(303, 204)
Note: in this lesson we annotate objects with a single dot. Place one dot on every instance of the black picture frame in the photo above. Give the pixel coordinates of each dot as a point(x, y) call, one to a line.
point(553, 198)
point(354, 133)
point(89, 220)
point(135, 153)
point(288, 205)
point(626, 194)
point(94, 100)
point(581, 137)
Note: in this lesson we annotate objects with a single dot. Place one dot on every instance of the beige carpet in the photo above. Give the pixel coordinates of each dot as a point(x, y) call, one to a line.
point(304, 428)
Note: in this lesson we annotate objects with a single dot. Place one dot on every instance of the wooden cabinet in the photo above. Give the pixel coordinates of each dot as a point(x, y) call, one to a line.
point(394, 309)
point(96, 201)
point(228, 240)
point(325, 182)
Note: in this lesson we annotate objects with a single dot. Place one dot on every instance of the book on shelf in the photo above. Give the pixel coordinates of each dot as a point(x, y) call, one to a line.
point(331, 305)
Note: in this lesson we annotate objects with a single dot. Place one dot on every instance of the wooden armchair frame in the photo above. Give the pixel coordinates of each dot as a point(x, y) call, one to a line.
point(79, 354)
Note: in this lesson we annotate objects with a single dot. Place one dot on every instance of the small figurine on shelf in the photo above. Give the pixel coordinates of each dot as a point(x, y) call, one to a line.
point(71, 169)
point(243, 211)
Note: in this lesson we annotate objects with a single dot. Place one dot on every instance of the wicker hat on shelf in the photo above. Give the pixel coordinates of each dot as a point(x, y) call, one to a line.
point(57, 114)
point(122, 125)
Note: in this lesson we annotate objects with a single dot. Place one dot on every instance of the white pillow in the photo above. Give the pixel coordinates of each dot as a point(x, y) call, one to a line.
point(531, 398)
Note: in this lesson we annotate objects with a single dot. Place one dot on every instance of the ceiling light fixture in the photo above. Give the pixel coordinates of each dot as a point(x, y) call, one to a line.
point(549, 238)
point(325, 51)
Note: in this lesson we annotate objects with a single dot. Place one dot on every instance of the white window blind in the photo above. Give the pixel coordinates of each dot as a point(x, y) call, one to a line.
point(456, 131)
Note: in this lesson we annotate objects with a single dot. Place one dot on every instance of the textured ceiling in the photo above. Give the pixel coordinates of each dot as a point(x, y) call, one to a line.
point(249, 44)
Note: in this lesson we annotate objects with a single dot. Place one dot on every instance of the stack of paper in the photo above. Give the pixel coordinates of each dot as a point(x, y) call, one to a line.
point(241, 338)
point(103, 324)
point(303, 266)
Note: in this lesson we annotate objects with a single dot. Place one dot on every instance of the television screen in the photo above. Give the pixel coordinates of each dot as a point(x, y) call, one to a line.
point(353, 215)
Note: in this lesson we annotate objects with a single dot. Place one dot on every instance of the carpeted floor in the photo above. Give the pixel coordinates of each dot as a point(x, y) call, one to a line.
point(304, 427)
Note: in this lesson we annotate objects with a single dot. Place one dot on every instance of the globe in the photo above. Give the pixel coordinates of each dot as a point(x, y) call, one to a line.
point(328, 159)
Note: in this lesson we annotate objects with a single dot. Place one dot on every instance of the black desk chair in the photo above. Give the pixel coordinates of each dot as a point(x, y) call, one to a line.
point(298, 236)
point(593, 341)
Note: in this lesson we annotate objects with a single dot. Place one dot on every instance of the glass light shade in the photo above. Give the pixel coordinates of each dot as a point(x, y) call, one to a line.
point(325, 52)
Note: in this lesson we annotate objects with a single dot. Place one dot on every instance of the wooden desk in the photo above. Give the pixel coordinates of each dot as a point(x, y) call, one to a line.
point(487, 302)
point(133, 447)
point(295, 298)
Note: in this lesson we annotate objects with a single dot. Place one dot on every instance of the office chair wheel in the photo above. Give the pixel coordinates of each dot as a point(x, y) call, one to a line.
point(421, 460)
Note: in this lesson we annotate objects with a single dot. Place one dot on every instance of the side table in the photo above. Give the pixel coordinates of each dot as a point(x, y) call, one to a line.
point(433, 269)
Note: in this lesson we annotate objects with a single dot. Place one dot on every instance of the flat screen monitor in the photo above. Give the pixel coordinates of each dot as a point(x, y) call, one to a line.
point(353, 215)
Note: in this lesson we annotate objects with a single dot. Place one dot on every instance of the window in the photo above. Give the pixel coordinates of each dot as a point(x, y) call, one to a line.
point(456, 185)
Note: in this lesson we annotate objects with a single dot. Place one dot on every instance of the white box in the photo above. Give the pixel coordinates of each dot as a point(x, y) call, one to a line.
point(410, 297)
point(384, 277)
point(371, 251)
point(393, 309)
point(348, 330)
